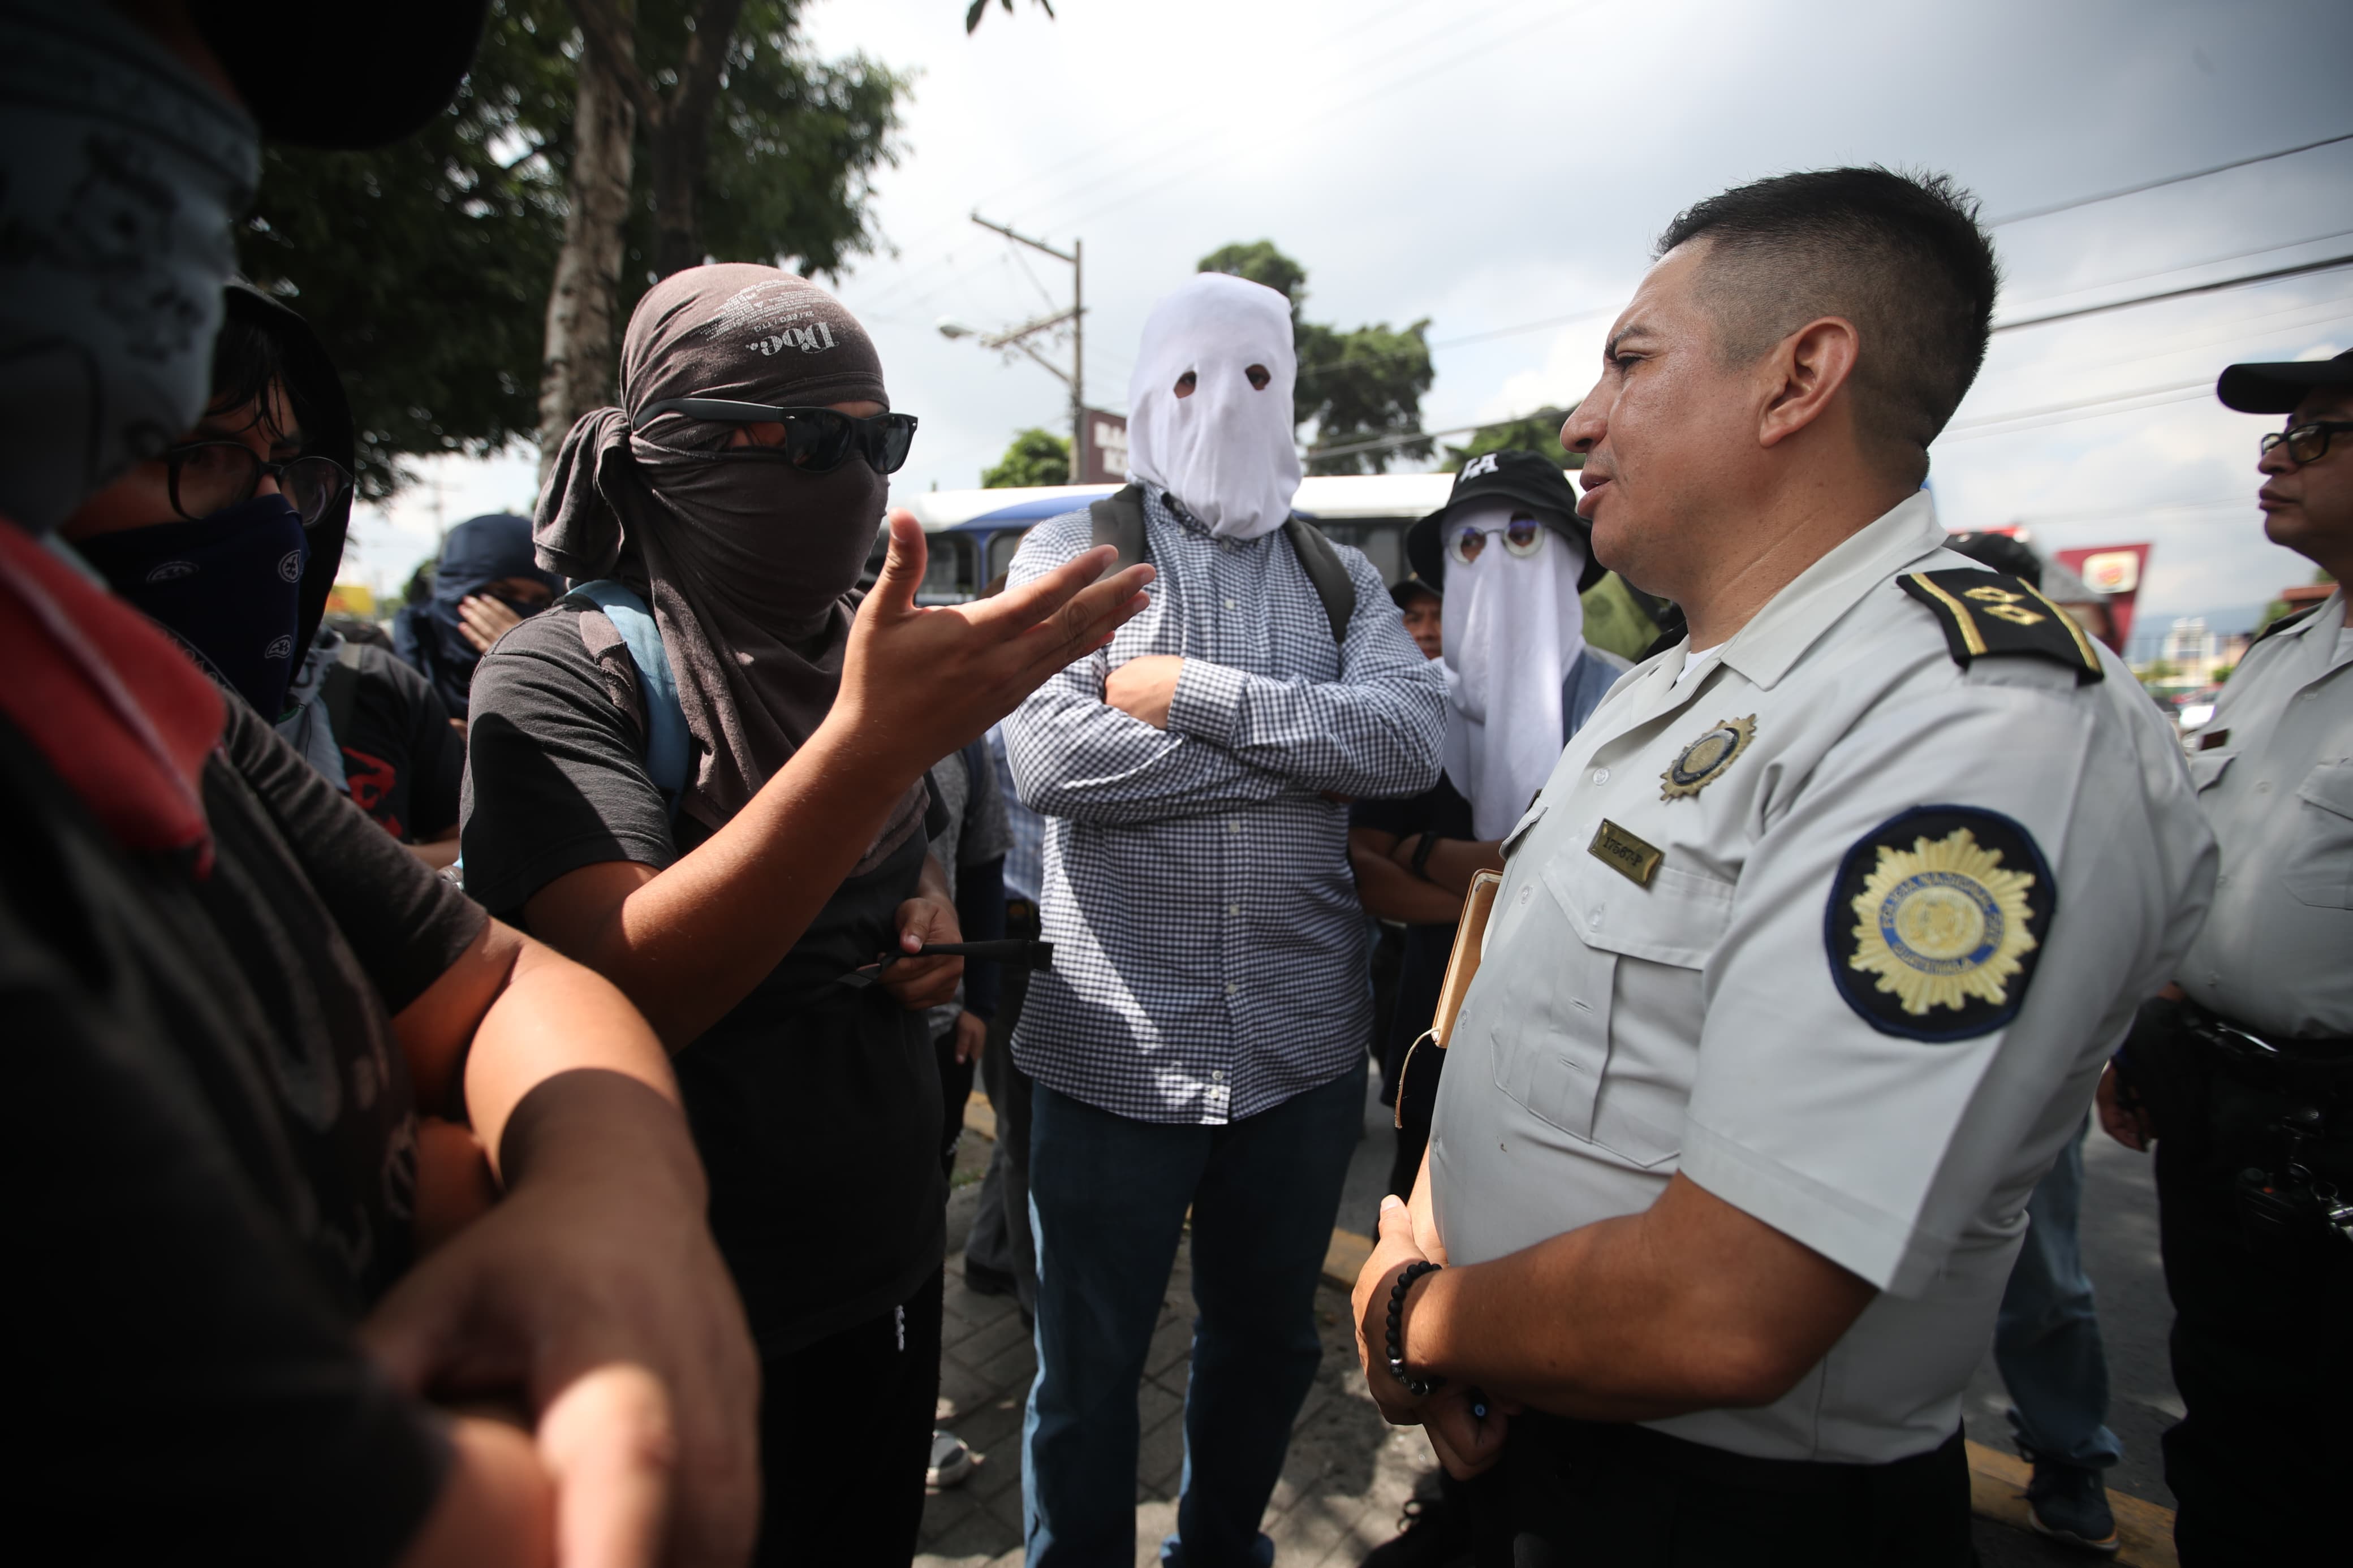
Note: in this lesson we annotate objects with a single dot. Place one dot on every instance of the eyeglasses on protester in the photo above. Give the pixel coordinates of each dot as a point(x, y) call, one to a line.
point(1522, 536)
point(2304, 443)
point(207, 476)
point(817, 440)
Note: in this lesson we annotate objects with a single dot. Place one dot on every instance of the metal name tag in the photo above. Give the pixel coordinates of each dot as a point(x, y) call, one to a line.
point(1625, 854)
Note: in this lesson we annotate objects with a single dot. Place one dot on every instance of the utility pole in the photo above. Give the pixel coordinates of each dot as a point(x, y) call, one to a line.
point(1018, 337)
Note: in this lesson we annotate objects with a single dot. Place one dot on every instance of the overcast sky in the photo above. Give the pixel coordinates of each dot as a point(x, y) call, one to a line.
point(1502, 166)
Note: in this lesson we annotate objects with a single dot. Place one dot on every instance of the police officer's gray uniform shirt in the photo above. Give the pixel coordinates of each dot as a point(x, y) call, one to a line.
point(2273, 770)
point(1863, 1023)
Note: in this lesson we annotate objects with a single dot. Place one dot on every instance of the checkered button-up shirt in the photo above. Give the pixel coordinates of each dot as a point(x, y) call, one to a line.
point(1210, 954)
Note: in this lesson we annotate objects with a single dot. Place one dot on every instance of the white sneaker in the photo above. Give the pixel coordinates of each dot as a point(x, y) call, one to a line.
point(952, 1462)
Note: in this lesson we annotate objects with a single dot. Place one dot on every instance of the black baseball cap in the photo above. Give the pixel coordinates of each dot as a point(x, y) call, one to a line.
point(2278, 388)
point(345, 76)
point(1531, 479)
point(1409, 586)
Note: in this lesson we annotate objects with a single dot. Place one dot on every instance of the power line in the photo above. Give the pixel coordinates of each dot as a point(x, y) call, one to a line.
point(2189, 266)
point(2130, 403)
point(2239, 282)
point(2168, 180)
point(2015, 414)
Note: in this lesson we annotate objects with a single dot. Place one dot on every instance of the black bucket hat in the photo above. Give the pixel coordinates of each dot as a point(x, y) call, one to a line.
point(2278, 388)
point(347, 75)
point(1532, 480)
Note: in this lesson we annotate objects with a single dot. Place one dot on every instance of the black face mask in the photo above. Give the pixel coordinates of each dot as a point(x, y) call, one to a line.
point(229, 588)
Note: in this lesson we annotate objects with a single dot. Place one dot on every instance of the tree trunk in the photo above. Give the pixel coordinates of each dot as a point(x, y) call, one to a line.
point(576, 369)
point(681, 137)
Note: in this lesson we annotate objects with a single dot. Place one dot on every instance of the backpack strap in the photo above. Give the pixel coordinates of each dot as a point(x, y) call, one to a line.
point(1322, 564)
point(1119, 522)
point(668, 747)
point(339, 690)
point(1118, 519)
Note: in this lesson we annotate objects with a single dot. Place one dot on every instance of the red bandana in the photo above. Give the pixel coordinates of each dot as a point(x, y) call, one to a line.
point(121, 713)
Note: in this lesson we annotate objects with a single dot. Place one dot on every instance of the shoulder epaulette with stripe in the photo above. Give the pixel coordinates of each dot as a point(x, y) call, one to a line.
point(1988, 613)
point(2288, 622)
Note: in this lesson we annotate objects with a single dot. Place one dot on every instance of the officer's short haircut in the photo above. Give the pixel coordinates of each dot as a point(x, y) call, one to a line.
point(1900, 256)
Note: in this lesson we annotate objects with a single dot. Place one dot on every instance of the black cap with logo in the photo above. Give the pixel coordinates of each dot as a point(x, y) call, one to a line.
point(2278, 388)
point(1530, 478)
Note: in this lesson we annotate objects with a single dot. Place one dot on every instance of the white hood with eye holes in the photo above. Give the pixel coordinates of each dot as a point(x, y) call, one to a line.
point(1226, 451)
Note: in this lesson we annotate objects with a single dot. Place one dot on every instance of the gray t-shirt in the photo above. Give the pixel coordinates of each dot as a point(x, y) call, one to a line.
point(975, 834)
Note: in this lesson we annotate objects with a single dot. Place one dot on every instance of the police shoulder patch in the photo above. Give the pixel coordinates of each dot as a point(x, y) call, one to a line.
point(1990, 613)
point(1936, 921)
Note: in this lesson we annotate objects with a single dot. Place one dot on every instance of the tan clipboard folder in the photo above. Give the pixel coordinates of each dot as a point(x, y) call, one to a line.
point(1470, 938)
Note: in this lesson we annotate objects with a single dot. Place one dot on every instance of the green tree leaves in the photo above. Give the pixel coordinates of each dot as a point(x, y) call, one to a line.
point(1035, 457)
point(425, 267)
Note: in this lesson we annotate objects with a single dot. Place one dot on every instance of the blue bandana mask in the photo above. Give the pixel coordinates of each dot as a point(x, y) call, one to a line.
point(121, 175)
point(229, 589)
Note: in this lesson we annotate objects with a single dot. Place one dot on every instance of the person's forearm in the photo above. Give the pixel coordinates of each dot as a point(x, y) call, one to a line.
point(1690, 1305)
point(1454, 861)
point(560, 1061)
point(1073, 756)
point(1373, 737)
point(1391, 892)
point(496, 1506)
point(690, 942)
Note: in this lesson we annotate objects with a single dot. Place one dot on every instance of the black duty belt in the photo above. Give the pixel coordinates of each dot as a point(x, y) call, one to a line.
point(2237, 1045)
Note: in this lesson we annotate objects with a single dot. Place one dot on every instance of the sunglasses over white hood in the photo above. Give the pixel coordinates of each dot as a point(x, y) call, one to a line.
point(1226, 449)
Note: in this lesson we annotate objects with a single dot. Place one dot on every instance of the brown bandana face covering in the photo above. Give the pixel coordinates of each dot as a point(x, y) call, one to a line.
point(747, 561)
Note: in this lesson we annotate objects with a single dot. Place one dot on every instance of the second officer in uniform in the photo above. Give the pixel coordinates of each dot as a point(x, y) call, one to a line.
point(2244, 1075)
point(1732, 1151)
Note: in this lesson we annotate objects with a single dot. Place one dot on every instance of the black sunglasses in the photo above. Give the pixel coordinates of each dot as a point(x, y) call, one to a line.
point(2306, 443)
point(207, 476)
point(817, 440)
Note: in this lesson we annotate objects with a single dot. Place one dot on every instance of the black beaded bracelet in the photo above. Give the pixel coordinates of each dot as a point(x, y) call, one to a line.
point(1416, 1387)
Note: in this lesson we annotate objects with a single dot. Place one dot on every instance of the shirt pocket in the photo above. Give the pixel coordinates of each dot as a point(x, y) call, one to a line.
point(2321, 870)
point(1559, 1055)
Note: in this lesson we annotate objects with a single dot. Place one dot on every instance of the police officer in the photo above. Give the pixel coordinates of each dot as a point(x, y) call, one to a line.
point(2244, 1073)
point(1756, 1076)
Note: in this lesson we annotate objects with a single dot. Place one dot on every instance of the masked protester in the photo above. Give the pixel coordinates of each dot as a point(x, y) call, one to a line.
point(485, 581)
point(230, 540)
point(723, 513)
point(231, 994)
point(1202, 1032)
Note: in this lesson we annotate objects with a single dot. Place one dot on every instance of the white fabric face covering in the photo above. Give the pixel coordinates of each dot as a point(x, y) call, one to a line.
point(1226, 449)
point(1513, 627)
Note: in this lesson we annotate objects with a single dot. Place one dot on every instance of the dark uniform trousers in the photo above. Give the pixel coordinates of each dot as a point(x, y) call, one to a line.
point(2262, 1338)
point(1580, 1494)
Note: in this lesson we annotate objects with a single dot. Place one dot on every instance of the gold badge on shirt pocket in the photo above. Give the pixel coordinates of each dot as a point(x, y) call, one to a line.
point(1705, 759)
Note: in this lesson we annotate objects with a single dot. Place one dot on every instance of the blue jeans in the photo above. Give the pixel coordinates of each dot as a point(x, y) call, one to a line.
point(1107, 1199)
point(2047, 1339)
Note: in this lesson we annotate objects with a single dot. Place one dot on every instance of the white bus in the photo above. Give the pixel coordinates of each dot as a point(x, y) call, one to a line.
point(974, 533)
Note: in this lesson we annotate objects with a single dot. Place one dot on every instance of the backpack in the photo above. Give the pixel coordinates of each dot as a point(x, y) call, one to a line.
point(1119, 522)
point(339, 690)
point(668, 748)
